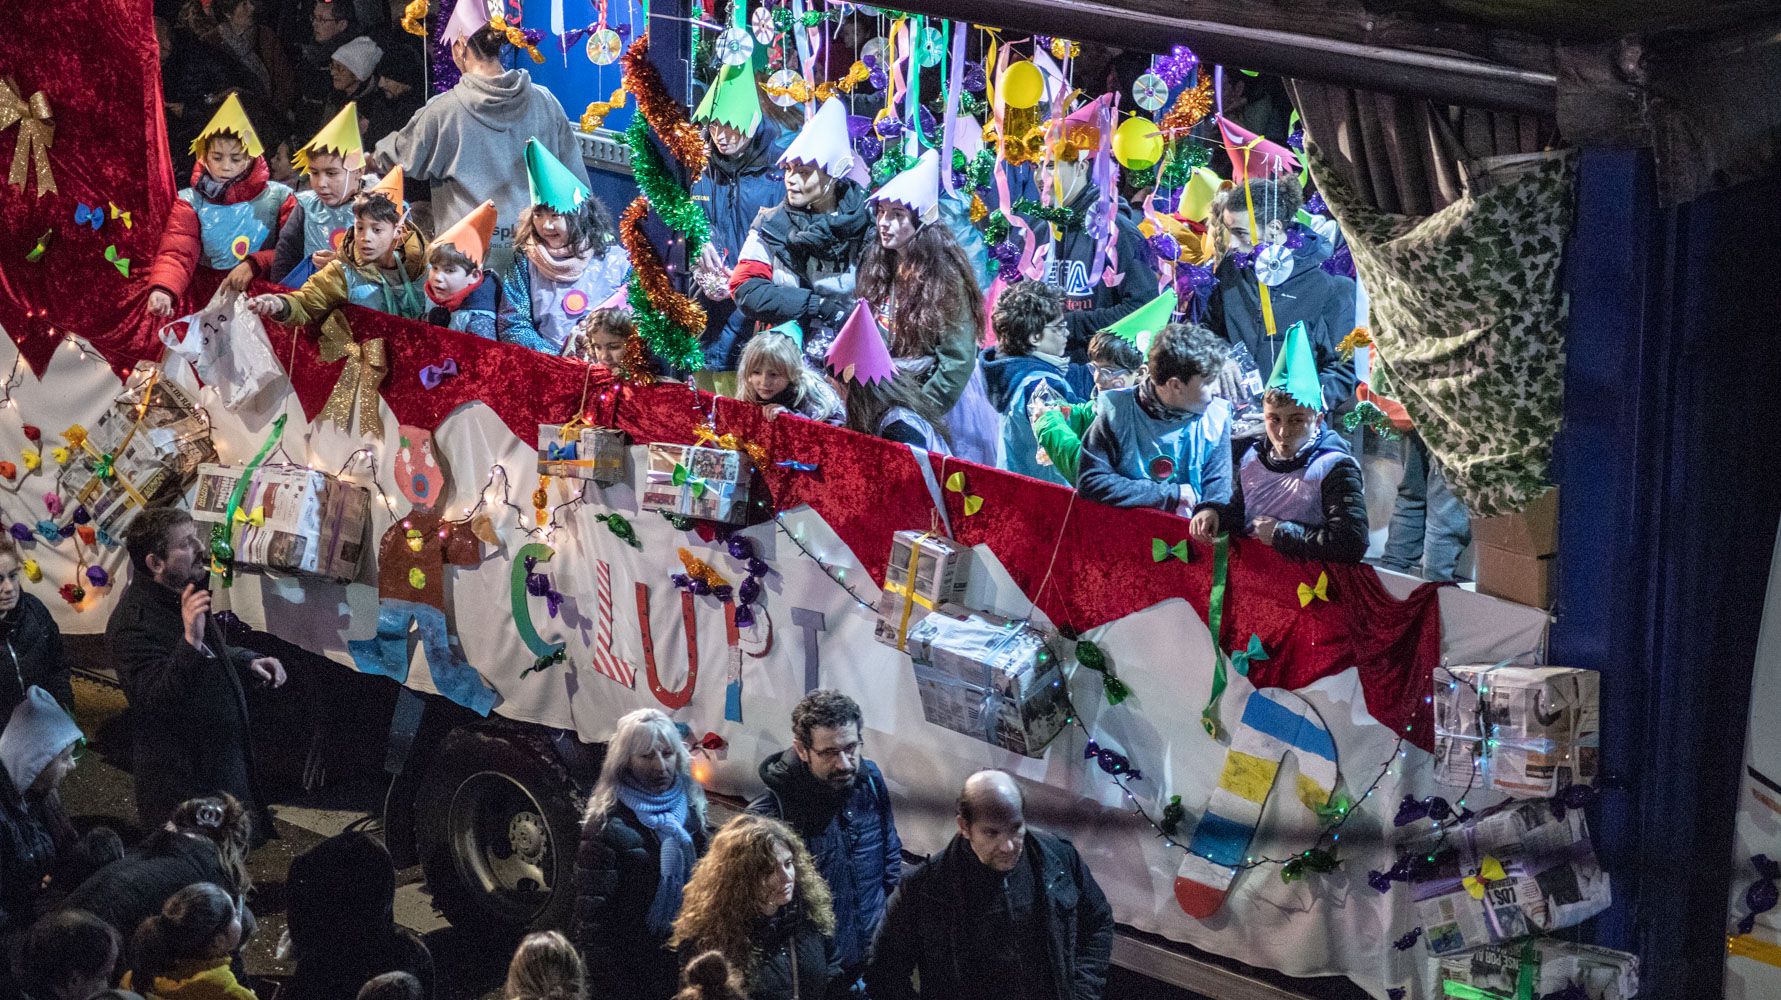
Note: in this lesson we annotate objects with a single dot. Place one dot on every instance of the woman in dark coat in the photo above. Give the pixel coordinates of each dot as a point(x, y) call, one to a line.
point(33, 642)
point(645, 828)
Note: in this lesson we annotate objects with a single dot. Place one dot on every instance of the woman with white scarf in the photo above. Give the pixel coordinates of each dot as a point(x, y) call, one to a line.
point(645, 827)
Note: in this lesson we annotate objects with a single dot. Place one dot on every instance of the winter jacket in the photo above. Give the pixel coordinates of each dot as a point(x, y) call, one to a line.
point(820, 401)
point(176, 256)
point(617, 870)
point(470, 143)
point(188, 708)
point(544, 306)
point(199, 979)
point(776, 940)
point(28, 849)
point(944, 374)
point(1323, 511)
point(853, 839)
point(136, 886)
point(252, 205)
point(398, 293)
point(309, 229)
point(488, 313)
point(34, 656)
point(1011, 381)
point(924, 930)
point(800, 265)
point(1090, 304)
point(733, 191)
point(1139, 454)
point(340, 973)
point(1324, 302)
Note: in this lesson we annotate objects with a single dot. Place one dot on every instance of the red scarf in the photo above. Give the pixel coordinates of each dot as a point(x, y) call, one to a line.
point(456, 300)
point(245, 186)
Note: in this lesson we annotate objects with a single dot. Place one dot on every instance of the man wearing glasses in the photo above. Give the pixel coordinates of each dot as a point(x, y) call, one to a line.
point(330, 24)
point(836, 799)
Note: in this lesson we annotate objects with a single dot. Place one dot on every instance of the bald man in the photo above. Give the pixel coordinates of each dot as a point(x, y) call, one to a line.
point(1004, 911)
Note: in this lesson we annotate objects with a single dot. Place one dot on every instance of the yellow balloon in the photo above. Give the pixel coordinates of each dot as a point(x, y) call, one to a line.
point(1022, 85)
point(1136, 144)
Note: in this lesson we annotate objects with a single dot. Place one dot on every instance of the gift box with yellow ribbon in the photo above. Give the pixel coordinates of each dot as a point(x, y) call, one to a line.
point(142, 452)
point(1538, 968)
point(925, 571)
point(710, 484)
point(291, 518)
point(577, 451)
point(1510, 871)
point(989, 678)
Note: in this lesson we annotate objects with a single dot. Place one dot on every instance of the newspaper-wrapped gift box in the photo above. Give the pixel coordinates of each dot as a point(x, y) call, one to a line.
point(596, 454)
point(1508, 872)
point(990, 678)
point(1602, 973)
point(942, 572)
point(1526, 731)
point(711, 484)
point(292, 519)
point(143, 450)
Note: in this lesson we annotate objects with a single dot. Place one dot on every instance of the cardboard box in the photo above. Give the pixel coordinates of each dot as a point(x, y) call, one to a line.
point(1603, 973)
point(1532, 532)
point(309, 521)
point(715, 483)
point(1550, 877)
point(1515, 577)
point(156, 446)
point(1527, 731)
point(596, 454)
point(990, 678)
point(942, 575)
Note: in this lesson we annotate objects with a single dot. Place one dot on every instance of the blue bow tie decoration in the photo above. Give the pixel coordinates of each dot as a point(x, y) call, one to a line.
point(87, 215)
point(1242, 658)
point(560, 451)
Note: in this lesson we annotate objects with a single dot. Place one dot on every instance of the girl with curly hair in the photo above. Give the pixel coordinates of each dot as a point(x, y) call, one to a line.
point(757, 899)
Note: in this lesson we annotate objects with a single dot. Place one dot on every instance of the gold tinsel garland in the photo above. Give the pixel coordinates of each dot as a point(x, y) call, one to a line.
point(651, 273)
point(1190, 108)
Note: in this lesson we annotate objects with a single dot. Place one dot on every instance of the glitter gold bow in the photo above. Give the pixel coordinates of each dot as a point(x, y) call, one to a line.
point(37, 130)
point(729, 442)
point(366, 366)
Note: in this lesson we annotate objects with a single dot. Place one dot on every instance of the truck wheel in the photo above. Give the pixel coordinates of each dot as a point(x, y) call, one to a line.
point(499, 824)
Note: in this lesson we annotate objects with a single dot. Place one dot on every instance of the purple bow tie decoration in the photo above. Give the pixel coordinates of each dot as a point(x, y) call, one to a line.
point(432, 375)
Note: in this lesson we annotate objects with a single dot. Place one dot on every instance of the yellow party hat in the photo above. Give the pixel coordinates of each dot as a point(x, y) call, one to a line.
point(340, 137)
point(231, 119)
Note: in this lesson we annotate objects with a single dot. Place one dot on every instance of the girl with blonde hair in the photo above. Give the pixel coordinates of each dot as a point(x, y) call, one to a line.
point(756, 898)
point(772, 376)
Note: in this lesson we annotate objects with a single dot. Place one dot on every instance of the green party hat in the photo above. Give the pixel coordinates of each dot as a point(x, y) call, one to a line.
point(1141, 326)
point(1295, 370)
point(733, 100)
point(791, 329)
point(552, 184)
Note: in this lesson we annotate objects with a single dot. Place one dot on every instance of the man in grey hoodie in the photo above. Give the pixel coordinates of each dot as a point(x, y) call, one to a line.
point(470, 141)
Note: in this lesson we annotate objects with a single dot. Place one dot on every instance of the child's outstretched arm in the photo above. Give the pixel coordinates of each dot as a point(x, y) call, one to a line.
point(1342, 538)
point(324, 292)
point(177, 257)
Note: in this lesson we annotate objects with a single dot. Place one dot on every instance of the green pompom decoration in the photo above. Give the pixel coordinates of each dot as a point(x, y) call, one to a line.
point(1365, 413)
point(995, 227)
point(1173, 815)
point(1062, 217)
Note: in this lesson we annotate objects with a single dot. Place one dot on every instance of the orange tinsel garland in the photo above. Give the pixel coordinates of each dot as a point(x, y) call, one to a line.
point(651, 273)
point(664, 114)
point(1190, 108)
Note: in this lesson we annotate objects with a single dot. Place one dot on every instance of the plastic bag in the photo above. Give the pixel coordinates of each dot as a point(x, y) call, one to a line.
point(225, 343)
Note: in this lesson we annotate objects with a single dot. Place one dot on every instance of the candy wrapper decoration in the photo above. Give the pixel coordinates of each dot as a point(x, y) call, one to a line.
point(292, 519)
point(1529, 732)
point(1508, 872)
point(143, 450)
point(991, 679)
point(711, 484)
point(1601, 973)
point(942, 571)
point(596, 454)
point(225, 343)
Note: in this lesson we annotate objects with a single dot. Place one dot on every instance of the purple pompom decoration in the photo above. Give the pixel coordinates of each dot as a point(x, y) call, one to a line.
point(97, 576)
point(19, 531)
point(744, 616)
point(749, 591)
point(740, 547)
point(1165, 247)
point(975, 79)
point(1316, 205)
point(1178, 66)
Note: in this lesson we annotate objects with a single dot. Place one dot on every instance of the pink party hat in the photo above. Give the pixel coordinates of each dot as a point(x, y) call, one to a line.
point(859, 353)
point(467, 18)
point(996, 288)
point(620, 299)
point(1262, 159)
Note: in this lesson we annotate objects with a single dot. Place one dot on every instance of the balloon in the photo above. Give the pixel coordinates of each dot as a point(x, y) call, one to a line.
point(1136, 144)
point(1022, 85)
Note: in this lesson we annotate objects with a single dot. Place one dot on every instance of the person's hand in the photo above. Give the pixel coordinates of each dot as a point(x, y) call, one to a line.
point(1264, 530)
point(194, 605)
point(1204, 527)
point(160, 303)
point(771, 410)
point(321, 258)
point(238, 277)
point(265, 305)
point(269, 670)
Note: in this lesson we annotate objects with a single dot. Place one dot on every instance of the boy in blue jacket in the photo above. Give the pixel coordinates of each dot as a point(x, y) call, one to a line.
point(1031, 337)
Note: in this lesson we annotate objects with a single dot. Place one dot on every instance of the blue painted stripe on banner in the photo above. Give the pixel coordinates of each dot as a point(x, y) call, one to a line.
point(1221, 840)
point(1269, 717)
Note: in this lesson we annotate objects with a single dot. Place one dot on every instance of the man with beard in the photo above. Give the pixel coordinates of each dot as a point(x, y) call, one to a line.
point(826, 789)
point(182, 679)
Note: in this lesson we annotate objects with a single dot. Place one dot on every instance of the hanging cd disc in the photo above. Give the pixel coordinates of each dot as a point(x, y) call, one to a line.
point(604, 46)
point(735, 46)
point(761, 23)
point(781, 82)
point(1150, 91)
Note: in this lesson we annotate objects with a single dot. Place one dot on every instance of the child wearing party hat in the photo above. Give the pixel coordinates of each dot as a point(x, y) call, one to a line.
point(380, 265)
point(464, 296)
point(1165, 442)
point(881, 400)
point(1114, 363)
point(239, 207)
point(334, 163)
point(772, 376)
point(740, 180)
point(1297, 488)
point(566, 261)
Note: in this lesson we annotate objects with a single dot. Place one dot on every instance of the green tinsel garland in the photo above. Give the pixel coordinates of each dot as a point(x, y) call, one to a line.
point(1062, 217)
point(995, 227)
point(1365, 413)
point(670, 201)
point(983, 168)
point(669, 342)
point(1184, 158)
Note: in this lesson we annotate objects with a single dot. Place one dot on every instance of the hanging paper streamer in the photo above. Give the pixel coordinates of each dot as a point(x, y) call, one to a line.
point(733, 685)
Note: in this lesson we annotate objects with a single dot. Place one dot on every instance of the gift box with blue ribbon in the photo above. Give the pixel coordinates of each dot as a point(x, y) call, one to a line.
point(577, 451)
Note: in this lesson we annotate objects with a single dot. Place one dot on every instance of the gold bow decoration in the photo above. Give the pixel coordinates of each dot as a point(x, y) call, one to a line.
point(360, 379)
point(703, 434)
point(1320, 592)
point(37, 130)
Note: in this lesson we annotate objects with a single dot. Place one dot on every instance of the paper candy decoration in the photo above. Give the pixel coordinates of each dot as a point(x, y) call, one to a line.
point(470, 235)
point(1141, 326)
point(341, 137)
point(711, 484)
point(1544, 728)
point(917, 189)
point(1253, 156)
point(859, 353)
point(300, 520)
point(467, 18)
point(231, 119)
point(991, 679)
point(553, 185)
point(1295, 370)
point(823, 141)
point(732, 100)
point(1196, 200)
point(941, 574)
point(390, 186)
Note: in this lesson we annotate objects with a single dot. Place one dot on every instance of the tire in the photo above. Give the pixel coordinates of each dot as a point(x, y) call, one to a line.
point(498, 828)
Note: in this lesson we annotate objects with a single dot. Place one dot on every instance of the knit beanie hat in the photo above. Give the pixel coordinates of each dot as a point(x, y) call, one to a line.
point(360, 57)
point(38, 730)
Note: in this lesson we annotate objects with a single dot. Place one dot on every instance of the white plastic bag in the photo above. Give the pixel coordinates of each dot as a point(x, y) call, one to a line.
point(225, 342)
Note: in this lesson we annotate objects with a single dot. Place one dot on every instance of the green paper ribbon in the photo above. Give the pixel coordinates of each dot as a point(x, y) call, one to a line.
point(684, 478)
point(1161, 550)
point(1221, 558)
point(222, 553)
